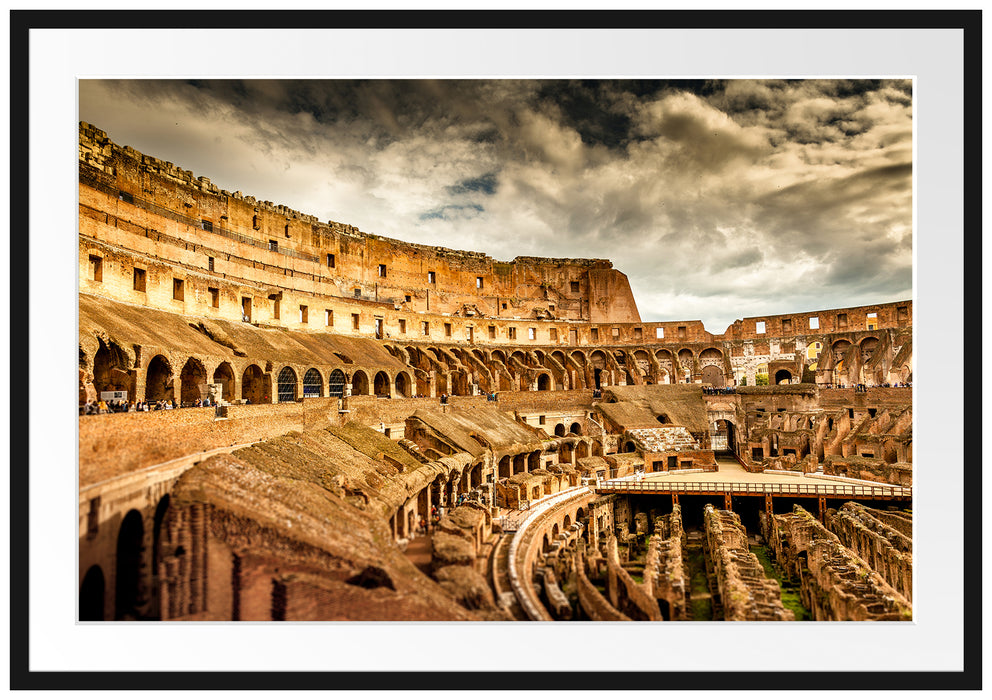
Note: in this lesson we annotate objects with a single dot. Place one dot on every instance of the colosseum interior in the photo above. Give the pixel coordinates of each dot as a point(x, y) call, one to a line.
point(368, 429)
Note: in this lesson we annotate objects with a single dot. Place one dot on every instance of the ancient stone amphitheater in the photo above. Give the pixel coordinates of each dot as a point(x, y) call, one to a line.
point(367, 429)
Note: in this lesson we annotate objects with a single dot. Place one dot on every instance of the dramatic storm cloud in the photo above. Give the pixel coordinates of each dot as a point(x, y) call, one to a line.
point(718, 199)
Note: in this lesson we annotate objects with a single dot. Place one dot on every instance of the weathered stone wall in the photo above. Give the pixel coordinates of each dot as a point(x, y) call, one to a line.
point(888, 552)
point(836, 584)
point(664, 572)
point(744, 591)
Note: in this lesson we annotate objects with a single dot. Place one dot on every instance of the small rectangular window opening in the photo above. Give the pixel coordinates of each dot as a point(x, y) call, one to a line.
point(512, 333)
point(814, 322)
point(214, 297)
point(274, 245)
point(382, 271)
point(574, 287)
point(531, 333)
point(431, 278)
point(659, 332)
point(447, 330)
point(402, 323)
point(330, 260)
point(139, 279)
point(96, 268)
point(759, 327)
point(210, 264)
point(478, 283)
point(328, 317)
point(177, 289)
point(358, 292)
point(354, 321)
point(426, 327)
point(304, 314)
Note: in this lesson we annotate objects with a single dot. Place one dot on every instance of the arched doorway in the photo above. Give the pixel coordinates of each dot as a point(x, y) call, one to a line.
point(286, 385)
point(560, 430)
point(544, 382)
point(110, 370)
point(575, 429)
point(402, 384)
point(713, 376)
point(130, 545)
point(193, 375)
point(253, 385)
point(224, 375)
point(505, 470)
point(91, 595)
point(160, 512)
point(783, 376)
point(158, 380)
point(381, 383)
point(359, 383)
point(313, 383)
point(335, 384)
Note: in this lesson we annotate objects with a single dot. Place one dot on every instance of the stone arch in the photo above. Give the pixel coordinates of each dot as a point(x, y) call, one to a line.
point(158, 380)
point(335, 384)
point(224, 375)
point(110, 370)
point(597, 448)
point(581, 450)
point(600, 374)
point(92, 594)
point(560, 430)
point(868, 347)
point(313, 383)
point(359, 383)
point(380, 384)
point(725, 426)
point(566, 522)
point(402, 384)
point(839, 349)
point(713, 375)
point(520, 463)
point(575, 428)
point(629, 446)
point(783, 376)
point(686, 364)
point(544, 382)
point(286, 384)
point(534, 460)
point(554, 532)
point(161, 510)
point(505, 468)
point(128, 594)
point(253, 385)
point(193, 375)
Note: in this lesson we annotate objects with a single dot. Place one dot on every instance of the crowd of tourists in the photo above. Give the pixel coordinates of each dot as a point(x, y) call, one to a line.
point(713, 390)
point(93, 408)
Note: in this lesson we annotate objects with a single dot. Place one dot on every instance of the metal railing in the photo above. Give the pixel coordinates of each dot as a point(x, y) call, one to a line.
point(755, 489)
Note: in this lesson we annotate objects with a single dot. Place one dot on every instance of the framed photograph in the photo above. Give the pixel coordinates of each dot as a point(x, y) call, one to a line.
point(528, 349)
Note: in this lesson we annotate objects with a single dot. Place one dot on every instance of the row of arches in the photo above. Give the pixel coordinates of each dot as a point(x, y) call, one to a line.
point(253, 383)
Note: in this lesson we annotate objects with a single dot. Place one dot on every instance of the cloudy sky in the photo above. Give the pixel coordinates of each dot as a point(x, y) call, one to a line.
point(719, 199)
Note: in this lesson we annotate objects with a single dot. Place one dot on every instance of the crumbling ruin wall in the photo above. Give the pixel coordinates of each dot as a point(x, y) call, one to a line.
point(890, 553)
point(626, 595)
point(593, 603)
point(664, 572)
point(835, 583)
point(745, 592)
